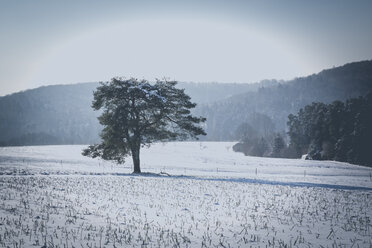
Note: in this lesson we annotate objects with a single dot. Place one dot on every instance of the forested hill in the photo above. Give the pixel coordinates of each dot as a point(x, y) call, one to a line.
point(59, 114)
point(202, 93)
point(269, 107)
point(62, 114)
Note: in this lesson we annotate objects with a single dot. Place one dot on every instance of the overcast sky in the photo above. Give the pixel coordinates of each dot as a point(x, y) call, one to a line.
point(61, 42)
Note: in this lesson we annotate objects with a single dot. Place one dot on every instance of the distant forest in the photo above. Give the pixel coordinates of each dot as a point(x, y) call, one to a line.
point(62, 114)
point(270, 106)
point(339, 131)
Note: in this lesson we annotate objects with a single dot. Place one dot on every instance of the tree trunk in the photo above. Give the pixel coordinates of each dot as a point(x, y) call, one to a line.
point(136, 159)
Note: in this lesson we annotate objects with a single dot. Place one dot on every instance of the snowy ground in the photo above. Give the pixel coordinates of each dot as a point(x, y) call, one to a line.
point(52, 196)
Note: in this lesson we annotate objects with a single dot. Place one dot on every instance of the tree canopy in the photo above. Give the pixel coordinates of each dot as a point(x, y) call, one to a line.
point(137, 113)
point(338, 131)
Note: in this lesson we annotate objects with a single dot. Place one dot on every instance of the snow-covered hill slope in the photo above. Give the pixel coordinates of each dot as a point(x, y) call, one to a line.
point(51, 196)
point(200, 160)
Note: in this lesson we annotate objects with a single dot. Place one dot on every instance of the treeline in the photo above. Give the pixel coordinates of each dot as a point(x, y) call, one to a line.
point(261, 142)
point(257, 137)
point(340, 131)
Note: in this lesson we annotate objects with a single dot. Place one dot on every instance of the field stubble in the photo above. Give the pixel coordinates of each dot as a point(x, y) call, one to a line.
point(151, 211)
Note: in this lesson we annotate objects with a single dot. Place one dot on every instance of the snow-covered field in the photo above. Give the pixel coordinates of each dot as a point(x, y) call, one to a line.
point(52, 196)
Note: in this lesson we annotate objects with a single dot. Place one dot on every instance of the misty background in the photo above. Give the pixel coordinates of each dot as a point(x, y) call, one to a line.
point(54, 42)
point(62, 114)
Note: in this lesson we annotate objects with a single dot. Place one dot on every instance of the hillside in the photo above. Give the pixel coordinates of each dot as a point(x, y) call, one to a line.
point(62, 114)
point(58, 114)
point(278, 101)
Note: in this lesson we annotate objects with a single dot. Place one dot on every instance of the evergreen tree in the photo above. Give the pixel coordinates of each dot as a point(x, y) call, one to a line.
point(336, 131)
point(245, 133)
point(260, 148)
point(278, 146)
point(137, 113)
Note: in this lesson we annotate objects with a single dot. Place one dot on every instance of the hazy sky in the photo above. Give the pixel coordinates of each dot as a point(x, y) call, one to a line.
point(50, 42)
